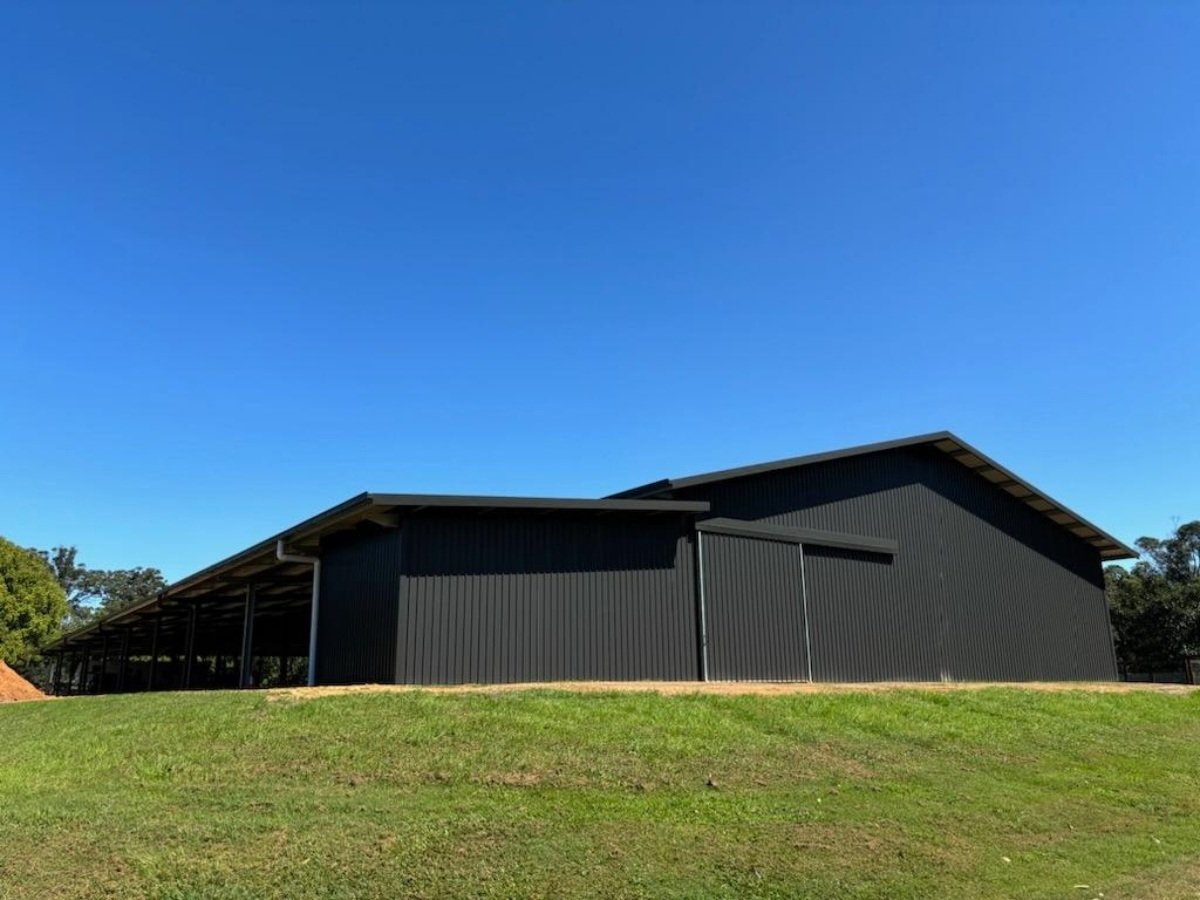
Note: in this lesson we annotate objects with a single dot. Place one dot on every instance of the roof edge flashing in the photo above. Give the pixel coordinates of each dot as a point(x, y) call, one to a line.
point(817, 537)
point(566, 504)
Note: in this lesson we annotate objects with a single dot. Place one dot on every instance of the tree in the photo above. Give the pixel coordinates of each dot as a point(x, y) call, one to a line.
point(1155, 605)
point(92, 593)
point(119, 588)
point(32, 604)
point(1177, 558)
point(72, 577)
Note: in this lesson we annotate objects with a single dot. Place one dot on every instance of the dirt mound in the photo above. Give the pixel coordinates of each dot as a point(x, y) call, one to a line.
point(14, 687)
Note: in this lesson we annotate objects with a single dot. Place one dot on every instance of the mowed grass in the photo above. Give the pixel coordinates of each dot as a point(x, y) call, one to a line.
point(904, 793)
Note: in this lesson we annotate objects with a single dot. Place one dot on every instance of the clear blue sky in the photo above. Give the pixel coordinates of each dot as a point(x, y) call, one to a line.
point(255, 259)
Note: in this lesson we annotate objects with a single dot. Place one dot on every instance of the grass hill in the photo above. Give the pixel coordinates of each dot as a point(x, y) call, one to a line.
point(899, 793)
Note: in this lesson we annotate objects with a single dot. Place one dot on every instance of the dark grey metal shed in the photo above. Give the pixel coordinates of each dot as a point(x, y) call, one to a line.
point(954, 568)
point(455, 595)
point(918, 559)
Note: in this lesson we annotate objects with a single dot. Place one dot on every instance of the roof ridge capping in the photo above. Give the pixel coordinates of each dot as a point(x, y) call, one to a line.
point(947, 442)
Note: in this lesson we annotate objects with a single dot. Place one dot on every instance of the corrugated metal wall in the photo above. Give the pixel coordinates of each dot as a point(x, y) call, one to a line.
point(356, 637)
point(504, 598)
point(754, 609)
point(1032, 605)
point(983, 587)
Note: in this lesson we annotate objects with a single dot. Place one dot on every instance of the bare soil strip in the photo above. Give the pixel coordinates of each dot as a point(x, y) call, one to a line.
point(736, 688)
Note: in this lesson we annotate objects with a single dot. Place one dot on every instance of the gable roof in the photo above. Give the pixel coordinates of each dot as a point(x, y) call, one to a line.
point(953, 446)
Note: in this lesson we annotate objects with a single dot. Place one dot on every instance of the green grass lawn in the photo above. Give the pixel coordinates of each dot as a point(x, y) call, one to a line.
point(990, 793)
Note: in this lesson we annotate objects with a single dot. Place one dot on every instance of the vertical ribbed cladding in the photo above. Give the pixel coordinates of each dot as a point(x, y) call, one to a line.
point(360, 576)
point(504, 597)
point(855, 636)
point(983, 587)
point(870, 617)
point(1025, 598)
point(754, 609)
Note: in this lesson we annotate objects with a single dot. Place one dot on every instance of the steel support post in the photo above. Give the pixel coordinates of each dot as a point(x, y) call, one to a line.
point(246, 675)
point(193, 612)
point(103, 666)
point(124, 664)
point(153, 653)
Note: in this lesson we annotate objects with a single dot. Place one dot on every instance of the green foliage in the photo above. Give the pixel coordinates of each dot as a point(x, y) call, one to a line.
point(70, 578)
point(32, 604)
point(116, 589)
point(995, 793)
point(92, 593)
point(1155, 605)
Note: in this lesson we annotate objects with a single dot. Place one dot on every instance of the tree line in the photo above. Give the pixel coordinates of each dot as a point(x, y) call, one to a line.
point(1155, 604)
point(44, 593)
point(93, 593)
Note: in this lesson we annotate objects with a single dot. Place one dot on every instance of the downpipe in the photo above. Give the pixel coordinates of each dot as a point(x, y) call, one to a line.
point(315, 562)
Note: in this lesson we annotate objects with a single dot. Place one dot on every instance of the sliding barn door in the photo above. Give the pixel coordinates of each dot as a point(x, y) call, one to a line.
point(753, 599)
